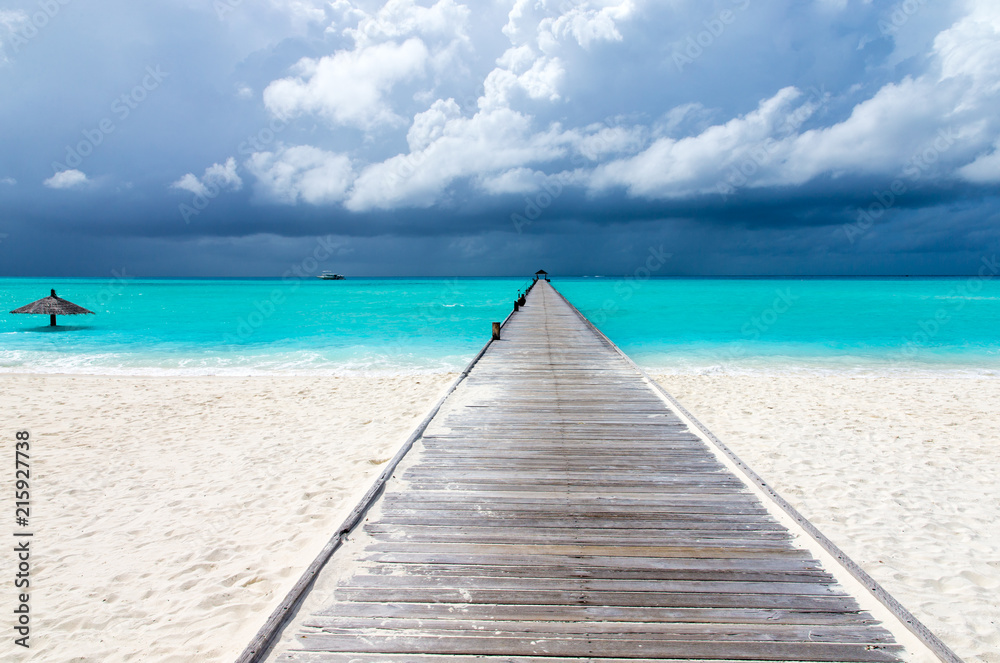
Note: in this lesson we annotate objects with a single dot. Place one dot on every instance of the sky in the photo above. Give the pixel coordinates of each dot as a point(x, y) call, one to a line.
point(414, 137)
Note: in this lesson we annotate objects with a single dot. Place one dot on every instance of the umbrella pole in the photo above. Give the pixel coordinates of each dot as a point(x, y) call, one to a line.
point(52, 320)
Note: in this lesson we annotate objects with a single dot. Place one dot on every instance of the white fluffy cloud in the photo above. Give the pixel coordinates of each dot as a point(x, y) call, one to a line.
point(673, 167)
point(598, 141)
point(398, 44)
point(532, 64)
point(930, 123)
point(217, 177)
point(515, 180)
point(522, 70)
point(301, 173)
point(301, 11)
point(450, 148)
point(494, 148)
point(955, 97)
point(585, 25)
point(546, 24)
point(500, 148)
point(12, 20)
point(985, 169)
point(443, 22)
point(430, 125)
point(67, 179)
point(885, 132)
point(349, 87)
point(971, 48)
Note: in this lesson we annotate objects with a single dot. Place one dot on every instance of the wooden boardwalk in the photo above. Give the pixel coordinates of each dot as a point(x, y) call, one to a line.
point(557, 510)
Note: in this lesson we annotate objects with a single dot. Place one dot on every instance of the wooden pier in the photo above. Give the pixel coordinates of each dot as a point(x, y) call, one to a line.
point(556, 509)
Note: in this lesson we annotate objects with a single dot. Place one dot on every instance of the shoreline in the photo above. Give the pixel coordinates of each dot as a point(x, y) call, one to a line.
point(175, 512)
point(788, 369)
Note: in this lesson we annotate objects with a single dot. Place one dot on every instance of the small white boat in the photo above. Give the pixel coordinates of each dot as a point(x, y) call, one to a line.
point(330, 276)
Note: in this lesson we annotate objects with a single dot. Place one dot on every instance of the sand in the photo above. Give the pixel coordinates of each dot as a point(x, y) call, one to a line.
point(902, 474)
point(172, 514)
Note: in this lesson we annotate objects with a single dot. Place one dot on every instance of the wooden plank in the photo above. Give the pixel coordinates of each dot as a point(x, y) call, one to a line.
point(402, 643)
point(769, 632)
point(443, 628)
point(551, 487)
point(581, 500)
point(551, 512)
point(623, 530)
point(588, 549)
point(586, 614)
point(840, 603)
point(603, 572)
point(363, 657)
point(723, 565)
point(494, 519)
point(492, 583)
point(705, 545)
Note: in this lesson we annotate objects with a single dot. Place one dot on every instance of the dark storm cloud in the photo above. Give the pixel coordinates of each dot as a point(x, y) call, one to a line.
point(437, 137)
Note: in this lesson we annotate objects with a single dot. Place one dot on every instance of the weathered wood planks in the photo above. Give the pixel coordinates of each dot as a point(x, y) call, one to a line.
point(557, 510)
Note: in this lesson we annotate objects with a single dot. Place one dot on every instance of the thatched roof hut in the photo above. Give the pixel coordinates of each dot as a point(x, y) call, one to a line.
point(52, 306)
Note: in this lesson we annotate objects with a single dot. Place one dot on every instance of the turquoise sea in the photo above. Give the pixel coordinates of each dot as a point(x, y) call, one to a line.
point(401, 326)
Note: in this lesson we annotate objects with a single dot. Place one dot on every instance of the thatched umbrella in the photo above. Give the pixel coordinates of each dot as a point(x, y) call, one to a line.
point(52, 306)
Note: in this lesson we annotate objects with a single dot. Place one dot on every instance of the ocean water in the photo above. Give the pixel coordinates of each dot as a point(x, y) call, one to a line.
point(874, 326)
point(880, 326)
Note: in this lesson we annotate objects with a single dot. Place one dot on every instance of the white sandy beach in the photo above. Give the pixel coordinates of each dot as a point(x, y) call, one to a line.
point(902, 474)
point(172, 514)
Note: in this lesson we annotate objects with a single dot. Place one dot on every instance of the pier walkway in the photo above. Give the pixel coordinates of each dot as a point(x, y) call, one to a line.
point(557, 509)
